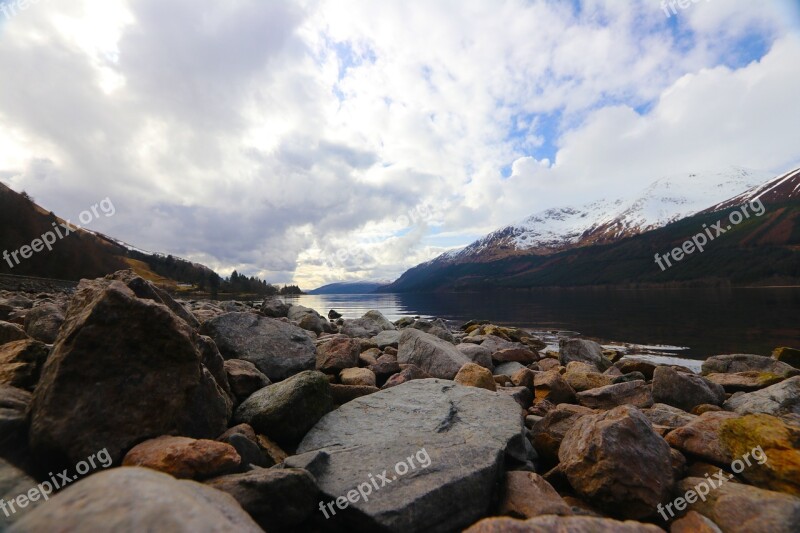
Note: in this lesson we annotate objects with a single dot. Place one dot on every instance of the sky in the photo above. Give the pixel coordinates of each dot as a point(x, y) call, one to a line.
point(314, 141)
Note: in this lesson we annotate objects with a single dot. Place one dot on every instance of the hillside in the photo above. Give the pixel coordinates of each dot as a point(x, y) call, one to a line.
point(350, 287)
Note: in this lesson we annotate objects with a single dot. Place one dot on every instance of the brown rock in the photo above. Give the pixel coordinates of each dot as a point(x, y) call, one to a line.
point(636, 393)
point(548, 364)
point(694, 522)
point(21, 363)
point(547, 434)
point(244, 378)
point(345, 393)
point(552, 387)
point(519, 355)
point(627, 366)
point(408, 373)
point(583, 381)
point(524, 377)
point(11, 332)
point(474, 375)
point(357, 376)
point(185, 458)
point(337, 355)
point(527, 495)
point(700, 437)
point(560, 524)
point(744, 381)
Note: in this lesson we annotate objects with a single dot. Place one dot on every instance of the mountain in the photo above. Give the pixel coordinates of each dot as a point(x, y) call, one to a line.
point(76, 253)
point(350, 287)
point(587, 246)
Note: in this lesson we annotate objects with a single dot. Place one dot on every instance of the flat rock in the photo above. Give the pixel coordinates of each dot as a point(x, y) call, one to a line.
point(780, 399)
point(520, 355)
point(458, 437)
point(387, 338)
point(507, 369)
point(750, 381)
point(636, 393)
point(746, 363)
point(433, 355)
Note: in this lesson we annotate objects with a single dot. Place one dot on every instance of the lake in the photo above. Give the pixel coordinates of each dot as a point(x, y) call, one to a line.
point(705, 321)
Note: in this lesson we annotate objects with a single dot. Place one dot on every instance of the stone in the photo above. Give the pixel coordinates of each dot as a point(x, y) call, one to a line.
point(213, 361)
point(635, 393)
point(244, 378)
point(277, 499)
point(694, 522)
point(337, 355)
point(780, 399)
point(661, 414)
point(342, 394)
point(138, 499)
point(618, 462)
point(185, 458)
point(247, 447)
point(628, 365)
point(746, 362)
point(387, 338)
point(369, 357)
point(368, 326)
point(561, 524)
point(285, 411)
point(522, 395)
point(148, 291)
point(274, 308)
point(552, 387)
point(11, 332)
point(457, 437)
point(547, 434)
point(334, 315)
point(433, 355)
point(749, 381)
point(685, 390)
point(738, 508)
point(14, 482)
point(520, 355)
point(357, 376)
point(477, 354)
point(14, 404)
point(630, 376)
point(21, 363)
point(584, 351)
point(507, 369)
point(278, 349)
point(494, 344)
point(527, 495)
point(145, 373)
point(43, 322)
point(790, 356)
point(474, 375)
point(700, 438)
point(524, 377)
point(583, 381)
point(548, 364)
point(407, 373)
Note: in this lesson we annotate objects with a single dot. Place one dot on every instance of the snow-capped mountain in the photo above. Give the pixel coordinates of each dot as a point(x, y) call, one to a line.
point(783, 188)
point(666, 200)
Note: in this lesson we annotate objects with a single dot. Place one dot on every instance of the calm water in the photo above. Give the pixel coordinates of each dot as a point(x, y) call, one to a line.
point(707, 321)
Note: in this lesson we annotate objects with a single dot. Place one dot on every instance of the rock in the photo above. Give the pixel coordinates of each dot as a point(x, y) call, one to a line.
point(507, 369)
point(477, 354)
point(551, 386)
point(285, 411)
point(337, 355)
point(437, 328)
point(746, 362)
point(369, 357)
point(409, 373)
point(520, 355)
point(694, 522)
point(635, 393)
point(494, 344)
point(43, 322)
point(368, 326)
point(309, 320)
point(583, 381)
point(13, 484)
point(527, 495)
point(387, 338)
point(14, 405)
point(148, 291)
point(122, 370)
point(457, 438)
point(548, 364)
point(185, 458)
point(705, 408)
point(626, 366)
point(357, 376)
point(738, 508)
point(385, 367)
point(583, 351)
point(342, 394)
point(522, 395)
point(765, 451)
point(246, 445)
point(661, 414)
point(333, 315)
point(744, 381)
point(274, 308)
point(433, 355)
point(11, 332)
point(277, 499)
point(616, 461)
point(630, 376)
point(278, 349)
point(700, 437)
point(547, 434)
point(561, 524)
point(685, 390)
point(214, 362)
point(790, 356)
point(780, 399)
point(138, 499)
point(21, 363)
point(474, 375)
point(524, 378)
point(244, 378)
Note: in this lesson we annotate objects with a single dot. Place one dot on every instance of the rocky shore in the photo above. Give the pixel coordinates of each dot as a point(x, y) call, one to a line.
point(122, 409)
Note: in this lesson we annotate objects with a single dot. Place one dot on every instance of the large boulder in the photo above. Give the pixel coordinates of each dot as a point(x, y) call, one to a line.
point(285, 411)
point(122, 370)
point(746, 362)
point(44, 321)
point(368, 326)
point(435, 356)
point(583, 351)
point(618, 462)
point(138, 499)
point(278, 349)
point(449, 445)
point(21, 363)
point(685, 390)
point(780, 399)
point(149, 291)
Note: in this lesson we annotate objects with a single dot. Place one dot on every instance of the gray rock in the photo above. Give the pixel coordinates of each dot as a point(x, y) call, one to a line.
point(583, 351)
point(507, 369)
point(746, 362)
point(435, 356)
point(14, 423)
point(551, 523)
point(13, 483)
point(43, 322)
point(244, 378)
point(636, 393)
point(495, 344)
point(138, 499)
point(668, 416)
point(274, 308)
point(457, 437)
point(278, 349)
point(685, 390)
point(387, 338)
point(780, 399)
point(308, 319)
point(148, 291)
point(285, 411)
point(477, 354)
point(368, 326)
point(11, 332)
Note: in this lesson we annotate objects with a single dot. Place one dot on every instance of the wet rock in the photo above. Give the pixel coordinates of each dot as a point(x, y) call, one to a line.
point(337, 355)
point(790, 356)
point(184, 458)
point(527, 495)
point(744, 363)
point(278, 349)
point(357, 376)
point(685, 390)
point(11, 332)
point(636, 393)
point(552, 387)
point(368, 326)
point(458, 437)
point(477, 354)
point(433, 355)
point(43, 322)
point(583, 351)
point(277, 499)
point(21, 363)
point(780, 399)
point(473, 375)
point(244, 378)
point(285, 411)
point(618, 462)
point(547, 434)
point(138, 499)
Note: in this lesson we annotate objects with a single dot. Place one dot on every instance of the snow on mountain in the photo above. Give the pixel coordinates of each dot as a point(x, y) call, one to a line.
point(664, 201)
point(784, 187)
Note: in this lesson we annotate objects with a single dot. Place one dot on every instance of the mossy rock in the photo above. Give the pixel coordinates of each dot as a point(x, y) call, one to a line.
point(790, 356)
